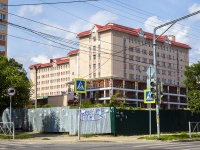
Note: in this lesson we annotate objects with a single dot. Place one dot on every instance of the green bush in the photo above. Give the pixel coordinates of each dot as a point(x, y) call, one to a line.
point(17, 136)
point(46, 106)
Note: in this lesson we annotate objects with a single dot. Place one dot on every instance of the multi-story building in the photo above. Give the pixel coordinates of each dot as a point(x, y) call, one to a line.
point(3, 27)
point(116, 57)
point(52, 77)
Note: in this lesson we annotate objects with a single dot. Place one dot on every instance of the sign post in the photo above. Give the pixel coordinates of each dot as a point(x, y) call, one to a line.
point(79, 87)
point(150, 72)
point(11, 92)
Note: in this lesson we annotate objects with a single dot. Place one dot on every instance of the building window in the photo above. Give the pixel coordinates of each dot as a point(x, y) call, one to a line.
point(144, 51)
point(99, 47)
point(137, 50)
point(150, 61)
point(151, 53)
point(124, 60)
point(2, 37)
point(94, 38)
point(131, 76)
point(137, 67)
point(131, 57)
point(99, 74)
point(94, 48)
point(94, 75)
point(2, 27)
point(99, 65)
point(2, 17)
point(137, 58)
point(131, 49)
point(131, 66)
point(3, 6)
point(2, 48)
point(94, 66)
point(99, 56)
point(99, 37)
point(94, 56)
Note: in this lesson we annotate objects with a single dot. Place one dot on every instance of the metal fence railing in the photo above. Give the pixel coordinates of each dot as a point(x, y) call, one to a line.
point(7, 128)
point(193, 127)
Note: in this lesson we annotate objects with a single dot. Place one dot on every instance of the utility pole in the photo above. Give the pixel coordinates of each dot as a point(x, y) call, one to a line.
point(36, 71)
point(171, 23)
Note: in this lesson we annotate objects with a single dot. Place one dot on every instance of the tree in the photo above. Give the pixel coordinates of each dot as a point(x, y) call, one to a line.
point(192, 83)
point(13, 75)
point(96, 97)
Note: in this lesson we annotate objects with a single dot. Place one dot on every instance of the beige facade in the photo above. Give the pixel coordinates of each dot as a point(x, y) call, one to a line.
point(3, 27)
point(120, 55)
point(53, 76)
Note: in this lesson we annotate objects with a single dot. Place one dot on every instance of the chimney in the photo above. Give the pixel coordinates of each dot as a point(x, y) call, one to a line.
point(171, 38)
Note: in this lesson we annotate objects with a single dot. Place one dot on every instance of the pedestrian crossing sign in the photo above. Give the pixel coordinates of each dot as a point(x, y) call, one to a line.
point(79, 85)
point(147, 97)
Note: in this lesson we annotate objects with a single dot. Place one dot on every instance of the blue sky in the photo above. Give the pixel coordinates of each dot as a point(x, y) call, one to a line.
point(77, 17)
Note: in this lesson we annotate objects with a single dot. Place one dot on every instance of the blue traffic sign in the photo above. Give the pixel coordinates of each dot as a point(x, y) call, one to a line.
point(79, 85)
point(147, 97)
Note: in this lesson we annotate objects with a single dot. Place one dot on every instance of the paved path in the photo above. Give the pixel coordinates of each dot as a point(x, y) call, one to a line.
point(148, 145)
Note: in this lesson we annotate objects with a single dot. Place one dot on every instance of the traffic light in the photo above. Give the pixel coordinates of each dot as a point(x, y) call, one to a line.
point(153, 89)
point(75, 96)
point(160, 91)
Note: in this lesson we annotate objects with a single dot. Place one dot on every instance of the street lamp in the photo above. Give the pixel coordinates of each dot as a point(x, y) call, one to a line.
point(36, 71)
point(155, 37)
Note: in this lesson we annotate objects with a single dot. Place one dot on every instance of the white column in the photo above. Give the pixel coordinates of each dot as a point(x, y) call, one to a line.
point(168, 98)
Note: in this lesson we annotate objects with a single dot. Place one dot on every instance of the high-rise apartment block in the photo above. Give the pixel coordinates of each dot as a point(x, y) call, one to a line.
point(3, 27)
point(115, 58)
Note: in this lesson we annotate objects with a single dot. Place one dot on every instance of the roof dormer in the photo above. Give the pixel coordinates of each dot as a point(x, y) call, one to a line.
point(94, 29)
point(141, 33)
point(166, 40)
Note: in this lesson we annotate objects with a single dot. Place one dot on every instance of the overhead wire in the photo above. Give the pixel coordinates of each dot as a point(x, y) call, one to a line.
point(58, 38)
point(52, 26)
point(130, 7)
point(50, 3)
point(138, 20)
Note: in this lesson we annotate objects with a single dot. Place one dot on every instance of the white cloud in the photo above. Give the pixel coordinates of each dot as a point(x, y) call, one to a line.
point(58, 56)
point(178, 30)
point(33, 10)
point(40, 59)
point(195, 7)
point(101, 18)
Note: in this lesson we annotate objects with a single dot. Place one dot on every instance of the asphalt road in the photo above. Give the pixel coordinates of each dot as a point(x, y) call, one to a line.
point(190, 145)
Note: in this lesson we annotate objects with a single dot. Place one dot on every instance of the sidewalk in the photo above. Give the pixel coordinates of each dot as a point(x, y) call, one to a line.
point(57, 137)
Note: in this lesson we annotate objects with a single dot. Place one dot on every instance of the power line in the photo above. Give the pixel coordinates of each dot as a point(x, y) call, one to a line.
point(47, 36)
point(108, 11)
point(52, 3)
point(63, 29)
point(146, 12)
point(135, 19)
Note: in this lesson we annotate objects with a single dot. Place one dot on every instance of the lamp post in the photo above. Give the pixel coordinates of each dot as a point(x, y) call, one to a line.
point(171, 23)
point(36, 71)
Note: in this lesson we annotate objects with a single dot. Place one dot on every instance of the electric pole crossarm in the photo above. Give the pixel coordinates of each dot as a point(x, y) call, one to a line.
point(176, 20)
point(164, 31)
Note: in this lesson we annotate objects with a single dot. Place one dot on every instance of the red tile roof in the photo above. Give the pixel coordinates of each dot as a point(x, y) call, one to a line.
point(59, 61)
point(73, 52)
point(113, 26)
